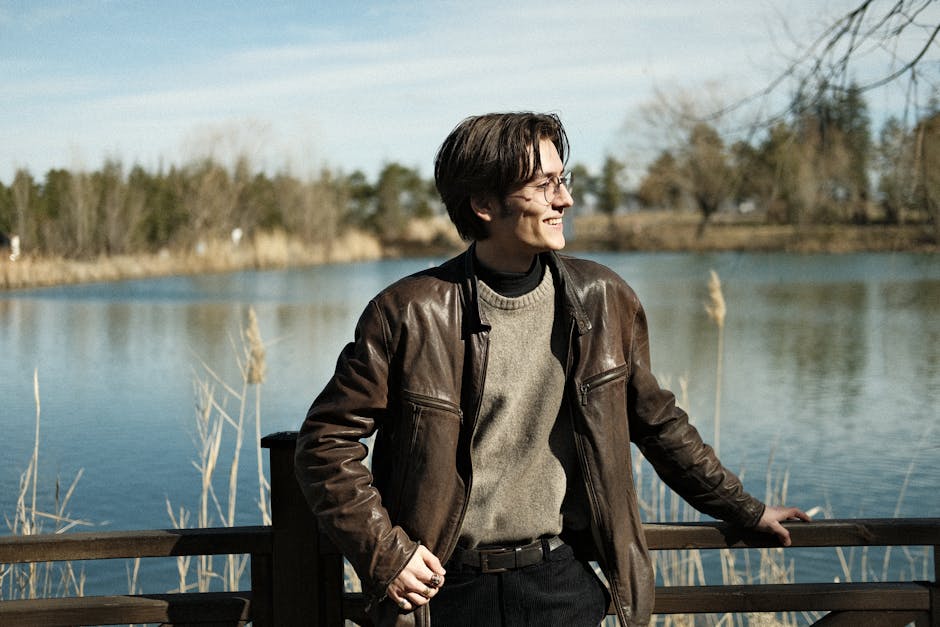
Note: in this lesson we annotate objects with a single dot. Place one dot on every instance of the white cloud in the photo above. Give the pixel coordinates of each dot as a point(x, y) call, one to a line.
point(390, 88)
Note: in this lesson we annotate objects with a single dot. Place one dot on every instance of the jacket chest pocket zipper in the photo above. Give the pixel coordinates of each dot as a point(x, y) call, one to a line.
point(599, 380)
point(422, 400)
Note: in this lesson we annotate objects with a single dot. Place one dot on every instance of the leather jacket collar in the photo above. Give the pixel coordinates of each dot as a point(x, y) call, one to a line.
point(573, 304)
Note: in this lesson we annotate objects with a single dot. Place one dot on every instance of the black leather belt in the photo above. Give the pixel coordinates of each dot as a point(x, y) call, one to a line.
point(503, 558)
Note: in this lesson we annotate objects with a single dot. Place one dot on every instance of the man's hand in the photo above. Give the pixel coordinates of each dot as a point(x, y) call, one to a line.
point(418, 582)
point(770, 521)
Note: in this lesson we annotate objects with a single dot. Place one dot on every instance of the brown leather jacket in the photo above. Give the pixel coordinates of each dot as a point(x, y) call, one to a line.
point(415, 374)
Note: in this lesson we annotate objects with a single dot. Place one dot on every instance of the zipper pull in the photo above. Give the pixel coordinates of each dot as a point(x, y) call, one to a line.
point(584, 391)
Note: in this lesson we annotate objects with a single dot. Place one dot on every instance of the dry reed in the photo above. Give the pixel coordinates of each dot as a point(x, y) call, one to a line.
point(657, 502)
point(716, 311)
point(254, 373)
point(40, 579)
point(213, 421)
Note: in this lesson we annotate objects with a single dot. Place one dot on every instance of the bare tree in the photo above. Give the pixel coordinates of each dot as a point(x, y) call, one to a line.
point(694, 162)
point(121, 209)
point(706, 174)
point(661, 187)
point(884, 41)
point(23, 191)
point(79, 211)
point(927, 155)
point(610, 191)
point(211, 200)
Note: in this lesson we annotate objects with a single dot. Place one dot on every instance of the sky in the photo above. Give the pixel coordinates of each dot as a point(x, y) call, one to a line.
point(347, 85)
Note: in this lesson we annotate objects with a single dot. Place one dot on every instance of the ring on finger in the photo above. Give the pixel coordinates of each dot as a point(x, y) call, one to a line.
point(403, 604)
point(435, 581)
point(426, 593)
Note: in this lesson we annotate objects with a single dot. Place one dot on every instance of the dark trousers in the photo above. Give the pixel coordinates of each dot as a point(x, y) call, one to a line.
point(559, 591)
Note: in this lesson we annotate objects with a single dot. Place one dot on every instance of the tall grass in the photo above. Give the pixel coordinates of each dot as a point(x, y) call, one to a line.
point(753, 566)
point(214, 420)
point(858, 563)
point(216, 506)
point(40, 579)
point(686, 567)
point(716, 310)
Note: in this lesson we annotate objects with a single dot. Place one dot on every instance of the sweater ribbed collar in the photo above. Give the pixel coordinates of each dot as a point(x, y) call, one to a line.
point(512, 284)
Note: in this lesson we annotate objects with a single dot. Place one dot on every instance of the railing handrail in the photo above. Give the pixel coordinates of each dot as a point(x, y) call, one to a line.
point(818, 533)
point(258, 539)
point(54, 547)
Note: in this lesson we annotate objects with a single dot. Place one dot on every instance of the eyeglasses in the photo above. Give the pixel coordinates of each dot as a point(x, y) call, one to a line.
point(553, 184)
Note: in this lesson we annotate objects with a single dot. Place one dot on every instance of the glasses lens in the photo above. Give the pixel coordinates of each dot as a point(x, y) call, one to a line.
point(551, 190)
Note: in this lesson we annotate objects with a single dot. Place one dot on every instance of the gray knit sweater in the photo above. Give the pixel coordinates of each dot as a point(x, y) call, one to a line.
point(522, 450)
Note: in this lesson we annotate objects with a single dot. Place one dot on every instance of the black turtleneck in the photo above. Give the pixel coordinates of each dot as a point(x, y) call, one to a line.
point(512, 284)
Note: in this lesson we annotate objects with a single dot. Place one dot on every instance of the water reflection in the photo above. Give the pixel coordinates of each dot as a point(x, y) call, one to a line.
point(819, 334)
point(910, 312)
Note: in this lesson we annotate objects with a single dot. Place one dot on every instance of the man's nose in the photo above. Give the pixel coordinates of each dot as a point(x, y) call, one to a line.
point(563, 198)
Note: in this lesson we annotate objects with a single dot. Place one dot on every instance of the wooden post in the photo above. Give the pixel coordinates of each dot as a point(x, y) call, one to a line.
point(935, 589)
point(262, 603)
point(306, 586)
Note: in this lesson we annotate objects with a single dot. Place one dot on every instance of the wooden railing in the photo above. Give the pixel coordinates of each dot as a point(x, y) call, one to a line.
point(297, 576)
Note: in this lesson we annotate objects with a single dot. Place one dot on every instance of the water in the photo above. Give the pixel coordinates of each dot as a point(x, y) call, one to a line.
point(831, 377)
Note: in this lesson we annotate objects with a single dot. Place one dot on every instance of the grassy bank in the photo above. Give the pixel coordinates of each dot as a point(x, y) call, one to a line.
point(266, 250)
point(680, 231)
point(644, 231)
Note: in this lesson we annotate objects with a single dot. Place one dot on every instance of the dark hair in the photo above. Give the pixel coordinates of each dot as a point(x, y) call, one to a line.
point(490, 155)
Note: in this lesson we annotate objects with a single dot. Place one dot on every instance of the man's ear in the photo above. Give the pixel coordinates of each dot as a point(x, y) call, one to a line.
point(484, 207)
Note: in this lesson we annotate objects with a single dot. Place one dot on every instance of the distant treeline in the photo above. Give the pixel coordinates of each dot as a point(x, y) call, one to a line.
point(820, 166)
point(116, 211)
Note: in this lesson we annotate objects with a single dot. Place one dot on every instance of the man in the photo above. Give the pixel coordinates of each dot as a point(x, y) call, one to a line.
point(505, 387)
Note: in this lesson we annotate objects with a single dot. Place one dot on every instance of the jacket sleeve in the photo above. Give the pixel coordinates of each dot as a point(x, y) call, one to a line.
point(673, 446)
point(330, 458)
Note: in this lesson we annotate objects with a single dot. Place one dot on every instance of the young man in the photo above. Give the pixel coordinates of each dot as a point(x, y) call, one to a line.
point(505, 387)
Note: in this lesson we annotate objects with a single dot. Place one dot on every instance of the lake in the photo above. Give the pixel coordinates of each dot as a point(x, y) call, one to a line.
point(830, 379)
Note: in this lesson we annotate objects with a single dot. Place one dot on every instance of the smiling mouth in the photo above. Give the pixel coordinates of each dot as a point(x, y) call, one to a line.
point(553, 221)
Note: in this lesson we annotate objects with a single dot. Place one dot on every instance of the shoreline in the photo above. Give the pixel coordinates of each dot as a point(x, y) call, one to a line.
point(266, 251)
point(638, 232)
point(680, 232)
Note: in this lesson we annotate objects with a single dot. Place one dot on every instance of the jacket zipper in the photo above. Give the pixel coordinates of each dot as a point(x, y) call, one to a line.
point(584, 388)
point(599, 380)
point(436, 403)
point(476, 416)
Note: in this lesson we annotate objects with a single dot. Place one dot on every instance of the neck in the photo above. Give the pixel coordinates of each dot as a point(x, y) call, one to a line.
point(494, 259)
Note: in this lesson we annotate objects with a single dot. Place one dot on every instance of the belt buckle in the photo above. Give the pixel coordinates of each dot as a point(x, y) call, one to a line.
point(486, 554)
